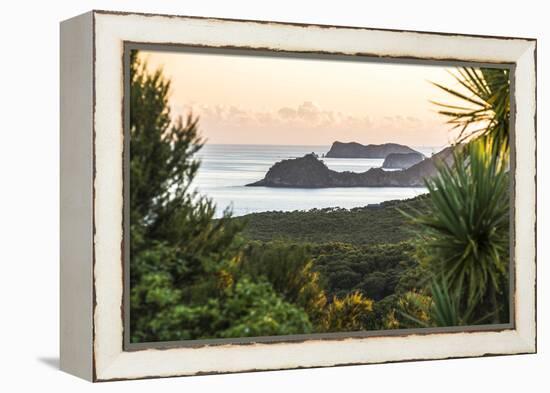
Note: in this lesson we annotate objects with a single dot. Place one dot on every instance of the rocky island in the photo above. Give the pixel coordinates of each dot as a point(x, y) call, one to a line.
point(310, 172)
point(357, 150)
point(402, 160)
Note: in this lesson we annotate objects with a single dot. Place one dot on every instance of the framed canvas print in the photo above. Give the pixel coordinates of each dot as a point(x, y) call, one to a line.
point(246, 195)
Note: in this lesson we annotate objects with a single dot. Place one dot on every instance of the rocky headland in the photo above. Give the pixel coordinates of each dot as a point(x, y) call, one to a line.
point(311, 172)
point(402, 160)
point(357, 150)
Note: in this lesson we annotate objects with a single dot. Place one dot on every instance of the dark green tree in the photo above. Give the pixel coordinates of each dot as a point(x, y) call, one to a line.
point(182, 276)
point(288, 267)
point(174, 241)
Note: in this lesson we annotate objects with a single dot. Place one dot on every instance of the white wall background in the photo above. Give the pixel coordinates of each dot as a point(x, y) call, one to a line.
point(29, 182)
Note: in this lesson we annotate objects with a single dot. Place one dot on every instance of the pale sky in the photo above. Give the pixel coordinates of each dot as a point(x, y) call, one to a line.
point(270, 100)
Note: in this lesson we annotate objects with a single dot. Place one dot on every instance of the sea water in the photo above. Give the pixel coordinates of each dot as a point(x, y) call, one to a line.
point(226, 169)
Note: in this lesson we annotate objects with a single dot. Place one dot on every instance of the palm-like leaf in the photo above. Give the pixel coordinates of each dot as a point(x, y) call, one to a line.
point(444, 308)
point(485, 93)
point(465, 237)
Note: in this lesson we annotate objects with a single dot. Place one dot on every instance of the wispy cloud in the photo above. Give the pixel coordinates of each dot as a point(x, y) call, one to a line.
point(306, 119)
point(306, 115)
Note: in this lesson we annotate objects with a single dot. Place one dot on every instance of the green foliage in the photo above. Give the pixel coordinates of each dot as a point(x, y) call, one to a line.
point(374, 271)
point(163, 315)
point(289, 269)
point(383, 314)
point(181, 285)
point(347, 314)
point(442, 307)
point(465, 239)
point(244, 309)
point(446, 306)
point(254, 309)
point(369, 257)
point(360, 226)
point(191, 276)
point(162, 167)
point(293, 270)
point(486, 107)
point(313, 276)
point(381, 273)
point(412, 310)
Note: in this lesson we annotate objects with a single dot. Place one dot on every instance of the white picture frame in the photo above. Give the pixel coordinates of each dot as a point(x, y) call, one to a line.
point(92, 195)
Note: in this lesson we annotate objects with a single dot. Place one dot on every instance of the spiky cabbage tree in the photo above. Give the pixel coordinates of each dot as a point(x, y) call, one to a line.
point(439, 308)
point(464, 240)
point(484, 110)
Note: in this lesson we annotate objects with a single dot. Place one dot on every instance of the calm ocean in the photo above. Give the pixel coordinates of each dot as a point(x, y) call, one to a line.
point(225, 169)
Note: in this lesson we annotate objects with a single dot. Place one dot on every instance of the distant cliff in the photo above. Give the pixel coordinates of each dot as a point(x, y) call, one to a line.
point(310, 172)
point(402, 160)
point(357, 150)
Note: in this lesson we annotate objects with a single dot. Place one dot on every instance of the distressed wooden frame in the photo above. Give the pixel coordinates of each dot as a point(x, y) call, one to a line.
point(92, 188)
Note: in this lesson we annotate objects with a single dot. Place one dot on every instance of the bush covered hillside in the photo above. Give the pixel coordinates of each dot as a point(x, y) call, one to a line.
point(384, 223)
point(365, 251)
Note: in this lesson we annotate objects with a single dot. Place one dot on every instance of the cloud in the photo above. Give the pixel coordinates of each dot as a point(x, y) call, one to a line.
point(308, 111)
point(287, 113)
point(304, 117)
point(413, 119)
point(264, 117)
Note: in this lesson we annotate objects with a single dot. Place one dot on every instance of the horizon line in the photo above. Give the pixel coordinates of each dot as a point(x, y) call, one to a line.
point(301, 144)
